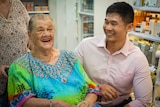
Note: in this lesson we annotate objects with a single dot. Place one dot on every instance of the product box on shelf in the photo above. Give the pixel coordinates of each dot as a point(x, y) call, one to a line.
point(137, 2)
point(29, 6)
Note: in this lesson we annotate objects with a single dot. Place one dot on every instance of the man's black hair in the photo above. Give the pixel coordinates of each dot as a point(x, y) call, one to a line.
point(124, 9)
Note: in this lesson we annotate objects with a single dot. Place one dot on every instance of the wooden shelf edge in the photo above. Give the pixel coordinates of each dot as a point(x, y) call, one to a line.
point(33, 12)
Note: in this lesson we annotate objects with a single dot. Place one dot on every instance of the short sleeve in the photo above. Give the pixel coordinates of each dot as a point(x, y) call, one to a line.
point(19, 85)
point(92, 87)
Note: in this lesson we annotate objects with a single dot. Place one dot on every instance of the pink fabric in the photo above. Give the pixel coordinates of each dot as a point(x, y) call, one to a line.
point(20, 104)
point(123, 70)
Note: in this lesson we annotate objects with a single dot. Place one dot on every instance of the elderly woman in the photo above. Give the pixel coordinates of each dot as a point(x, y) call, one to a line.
point(46, 76)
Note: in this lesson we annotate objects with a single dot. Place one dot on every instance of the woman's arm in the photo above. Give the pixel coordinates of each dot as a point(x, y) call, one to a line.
point(89, 101)
point(39, 102)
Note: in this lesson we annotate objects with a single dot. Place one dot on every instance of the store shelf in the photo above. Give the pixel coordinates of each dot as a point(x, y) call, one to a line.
point(145, 36)
point(36, 6)
point(87, 35)
point(84, 13)
point(34, 12)
point(146, 8)
point(88, 21)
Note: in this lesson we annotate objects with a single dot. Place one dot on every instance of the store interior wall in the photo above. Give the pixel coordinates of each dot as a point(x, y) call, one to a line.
point(100, 7)
point(64, 14)
point(67, 24)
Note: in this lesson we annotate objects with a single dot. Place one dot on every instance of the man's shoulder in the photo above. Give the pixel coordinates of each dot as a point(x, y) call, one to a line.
point(136, 51)
point(93, 39)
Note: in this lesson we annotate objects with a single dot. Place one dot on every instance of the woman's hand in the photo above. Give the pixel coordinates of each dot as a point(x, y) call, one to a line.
point(108, 93)
point(89, 101)
point(58, 103)
point(85, 104)
point(2, 71)
point(40, 102)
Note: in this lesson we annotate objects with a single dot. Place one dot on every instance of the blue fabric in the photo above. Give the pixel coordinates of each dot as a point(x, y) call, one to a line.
point(66, 80)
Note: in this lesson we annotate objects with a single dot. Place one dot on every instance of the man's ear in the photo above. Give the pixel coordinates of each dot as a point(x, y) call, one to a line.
point(130, 27)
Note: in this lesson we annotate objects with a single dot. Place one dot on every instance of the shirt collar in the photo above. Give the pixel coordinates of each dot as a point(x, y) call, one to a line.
point(102, 42)
point(123, 50)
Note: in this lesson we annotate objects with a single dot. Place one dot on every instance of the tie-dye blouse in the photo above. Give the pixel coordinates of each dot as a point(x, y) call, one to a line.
point(66, 80)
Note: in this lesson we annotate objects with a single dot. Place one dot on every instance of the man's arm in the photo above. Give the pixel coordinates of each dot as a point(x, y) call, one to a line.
point(142, 84)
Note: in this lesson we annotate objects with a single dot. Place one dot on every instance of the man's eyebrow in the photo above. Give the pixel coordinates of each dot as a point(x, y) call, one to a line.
point(113, 21)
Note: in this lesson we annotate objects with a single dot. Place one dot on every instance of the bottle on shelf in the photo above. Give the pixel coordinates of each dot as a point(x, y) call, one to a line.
point(29, 6)
point(87, 18)
point(157, 86)
point(36, 6)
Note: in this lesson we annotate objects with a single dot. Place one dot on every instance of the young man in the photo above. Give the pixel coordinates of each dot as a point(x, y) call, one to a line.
point(115, 63)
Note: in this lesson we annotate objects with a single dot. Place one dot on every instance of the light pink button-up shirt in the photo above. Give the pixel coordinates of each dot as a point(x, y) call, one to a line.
point(125, 69)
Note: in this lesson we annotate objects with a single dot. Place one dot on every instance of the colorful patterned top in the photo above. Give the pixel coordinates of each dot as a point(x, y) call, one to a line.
point(13, 36)
point(66, 80)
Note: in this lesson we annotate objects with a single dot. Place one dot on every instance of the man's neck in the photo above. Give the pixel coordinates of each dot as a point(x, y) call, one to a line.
point(114, 46)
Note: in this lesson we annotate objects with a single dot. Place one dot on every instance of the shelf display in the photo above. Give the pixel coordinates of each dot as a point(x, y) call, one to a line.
point(146, 28)
point(146, 35)
point(146, 20)
point(87, 6)
point(87, 18)
point(146, 8)
point(87, 25)
point(36, 6)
